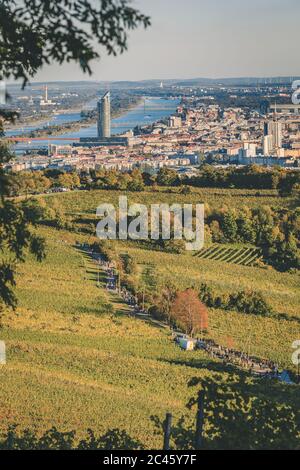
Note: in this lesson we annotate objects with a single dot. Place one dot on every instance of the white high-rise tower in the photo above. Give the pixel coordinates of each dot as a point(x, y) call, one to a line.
point(103, 123)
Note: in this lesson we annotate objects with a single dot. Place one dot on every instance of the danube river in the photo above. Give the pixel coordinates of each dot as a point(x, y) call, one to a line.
point(147, 112)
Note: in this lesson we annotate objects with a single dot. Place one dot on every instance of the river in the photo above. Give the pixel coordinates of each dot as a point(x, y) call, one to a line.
point(147, 112)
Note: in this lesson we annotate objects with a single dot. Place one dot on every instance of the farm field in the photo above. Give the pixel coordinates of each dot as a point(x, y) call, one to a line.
point(185, 270)
point(87, 201)
point(76, 360)
point(245, 256)
point(269, 337)
point(281, 289)
point(72, 365)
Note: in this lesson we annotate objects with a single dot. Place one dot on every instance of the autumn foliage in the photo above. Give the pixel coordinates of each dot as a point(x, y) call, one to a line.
point(189, 312)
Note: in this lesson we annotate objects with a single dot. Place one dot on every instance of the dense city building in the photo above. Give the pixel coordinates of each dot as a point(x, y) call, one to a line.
point(199, 129)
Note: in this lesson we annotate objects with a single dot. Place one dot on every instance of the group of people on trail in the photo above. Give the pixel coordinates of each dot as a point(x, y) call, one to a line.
point(111, 280)
point(128, 297)
point(112, 283)
point(265, 368)
point(131, 300)
point(242, 359)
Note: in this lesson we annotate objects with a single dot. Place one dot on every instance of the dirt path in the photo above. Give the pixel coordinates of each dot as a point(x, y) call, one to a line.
point(97, 275)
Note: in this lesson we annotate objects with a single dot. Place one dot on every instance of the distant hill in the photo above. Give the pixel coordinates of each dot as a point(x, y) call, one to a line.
point(200, 81)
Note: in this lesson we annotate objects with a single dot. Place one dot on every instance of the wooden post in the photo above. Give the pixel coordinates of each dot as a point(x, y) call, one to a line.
point(199, 421)
point(167, 431)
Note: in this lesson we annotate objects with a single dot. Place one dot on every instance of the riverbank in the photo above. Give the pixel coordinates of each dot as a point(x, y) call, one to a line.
point(119, 107)
point(144, 111)
point(40, 120)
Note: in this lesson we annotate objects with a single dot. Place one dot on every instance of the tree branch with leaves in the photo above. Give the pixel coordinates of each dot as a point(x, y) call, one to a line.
point(38, 32)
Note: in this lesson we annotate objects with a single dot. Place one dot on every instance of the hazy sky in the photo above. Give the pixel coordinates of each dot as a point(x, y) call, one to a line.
point(203, 38)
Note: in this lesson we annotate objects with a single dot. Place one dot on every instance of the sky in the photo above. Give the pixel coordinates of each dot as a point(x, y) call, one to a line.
point(202, 38)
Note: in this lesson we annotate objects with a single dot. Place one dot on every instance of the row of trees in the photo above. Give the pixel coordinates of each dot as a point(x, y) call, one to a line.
point(37, 182)
point(178, 308)
point(285, 181)
point(165, 303)
point(245, 301)
point(251, 177)
point(185, 309)
point(276, 232)
point(247, 177)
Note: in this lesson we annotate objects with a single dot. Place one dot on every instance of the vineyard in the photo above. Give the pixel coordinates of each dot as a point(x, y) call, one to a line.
point(240, 256)
point(76, 360)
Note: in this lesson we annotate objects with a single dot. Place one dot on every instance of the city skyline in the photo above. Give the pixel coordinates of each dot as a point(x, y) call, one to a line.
point(218, 40)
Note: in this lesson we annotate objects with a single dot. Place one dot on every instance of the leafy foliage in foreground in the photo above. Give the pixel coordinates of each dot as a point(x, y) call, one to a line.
point(16, 234)
point(54, 439)
point(34, 33)
point(237, 416)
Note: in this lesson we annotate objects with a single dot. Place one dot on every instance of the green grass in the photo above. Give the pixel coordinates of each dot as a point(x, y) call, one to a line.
point(71, 365)
point(226, 268)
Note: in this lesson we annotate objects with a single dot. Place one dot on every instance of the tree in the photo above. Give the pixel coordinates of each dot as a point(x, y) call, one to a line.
point(165, 301)
point(285, 255)
point(55, 214)
point(107, 179)
point(16, 236)
point(137, 182)
point(167, 177)
point(206, 295)
point(287, 183)
point(246, 230)
point(37, 32)
point(249, 302)
point(189, 312)
point(68, 180)
point(216, 232)
point(129, 264)
point(123, 181)
point(229, 226)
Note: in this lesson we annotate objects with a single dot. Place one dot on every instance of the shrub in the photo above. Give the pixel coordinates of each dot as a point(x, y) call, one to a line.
point(249, 302)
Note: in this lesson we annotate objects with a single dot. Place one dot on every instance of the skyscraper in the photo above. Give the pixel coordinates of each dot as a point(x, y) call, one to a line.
point(273, 130)
point(268, 145)
point(104, 116)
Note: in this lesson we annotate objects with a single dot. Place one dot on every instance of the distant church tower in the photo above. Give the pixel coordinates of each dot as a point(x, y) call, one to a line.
point(103, 122)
